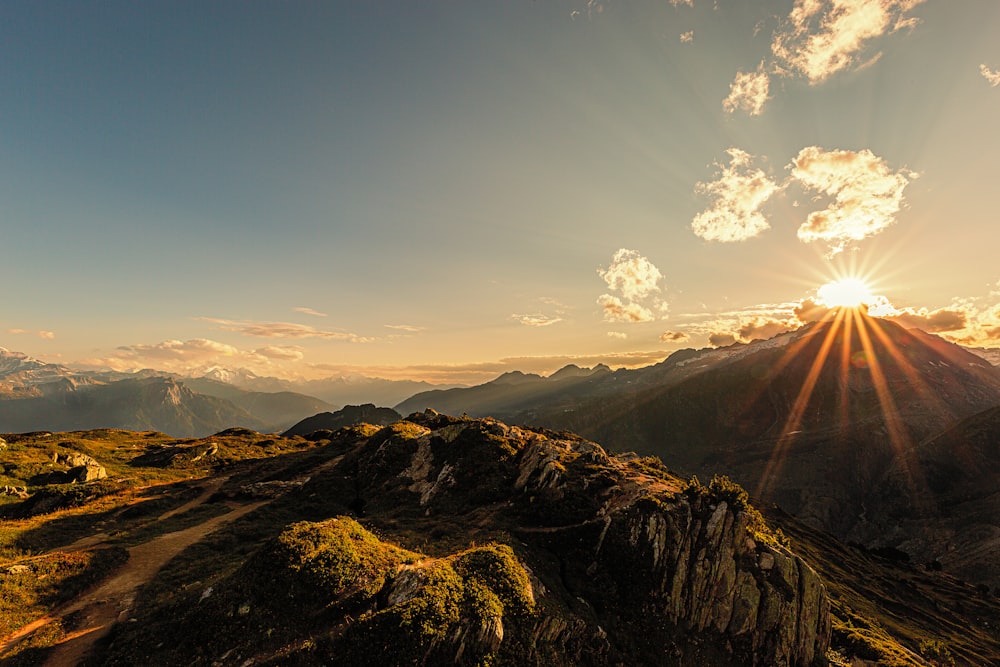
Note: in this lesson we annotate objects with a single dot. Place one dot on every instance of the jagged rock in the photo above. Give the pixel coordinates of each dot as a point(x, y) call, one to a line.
point(73, 459)
point(87, 473)
point(19, 491)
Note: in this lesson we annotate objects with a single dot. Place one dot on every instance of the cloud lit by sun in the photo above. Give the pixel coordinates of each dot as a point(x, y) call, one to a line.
point(844, 293)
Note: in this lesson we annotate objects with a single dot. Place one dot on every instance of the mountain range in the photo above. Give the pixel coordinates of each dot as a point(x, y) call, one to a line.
point(36, 396)
point(854, 430)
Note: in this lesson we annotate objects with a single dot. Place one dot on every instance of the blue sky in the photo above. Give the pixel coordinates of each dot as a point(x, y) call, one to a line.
point(449, 190)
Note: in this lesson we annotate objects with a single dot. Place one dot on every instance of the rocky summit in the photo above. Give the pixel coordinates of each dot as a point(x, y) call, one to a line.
point(438, 540)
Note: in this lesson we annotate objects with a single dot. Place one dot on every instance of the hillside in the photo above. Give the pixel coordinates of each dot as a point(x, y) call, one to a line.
point(814, 420)
point(441, 541)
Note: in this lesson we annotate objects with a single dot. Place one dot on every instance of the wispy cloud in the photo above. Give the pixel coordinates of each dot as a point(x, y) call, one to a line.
point(740, 189)
point(687, 37)
point(282, 330)
point(992, 76)
point(536, 320)
point(620, 335)
point(678, 3)
point(196, 355)
point(820, 38)
point(866, 193)
point(46, 335)
point(309, 311)
point(748, 92)
point(408, 328)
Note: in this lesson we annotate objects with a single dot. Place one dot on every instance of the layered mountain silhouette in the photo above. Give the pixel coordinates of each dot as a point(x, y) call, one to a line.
point(820, 421)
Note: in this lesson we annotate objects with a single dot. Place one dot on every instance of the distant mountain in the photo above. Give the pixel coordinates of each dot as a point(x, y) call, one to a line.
point(159, 404)
point(511, 394)
point(346, 416)
point(334, 391)
point(276, 409)
point(815, 420)
point(990, 354)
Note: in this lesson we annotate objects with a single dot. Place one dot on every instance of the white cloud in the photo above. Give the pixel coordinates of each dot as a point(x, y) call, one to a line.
point(687, 37)
point(866, 193)
point(992, 76)
point(631, 274)
point(17, 331)
point(678, 3)
point(822, 37)
point(47, 335)
point(620, 335)
point(748, 92)
point(309, 311)
point(739, 190)
point(615, 310)
point(282, 330)
point(537, 320)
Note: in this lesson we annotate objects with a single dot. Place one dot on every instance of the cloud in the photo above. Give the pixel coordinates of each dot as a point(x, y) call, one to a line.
point(739, 190)
point(820, 38)
point(408, 328)
point(620, 335)
point(47, 335)
point(615, 310)
point(282, 330)
point(536, 320)
point(687, 37)
point(678, 3)
point(674, 337)
point(866, 193)
point(992, 76)
point(281, 352)
point(764, 328)
point(748, 91)
point(194, 349)
point(931, 321)
point(631, 274)
point(309, 311)
point(810, 311)
point(721, 339)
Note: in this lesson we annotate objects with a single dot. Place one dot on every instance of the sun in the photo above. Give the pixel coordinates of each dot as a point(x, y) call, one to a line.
point(845, 293)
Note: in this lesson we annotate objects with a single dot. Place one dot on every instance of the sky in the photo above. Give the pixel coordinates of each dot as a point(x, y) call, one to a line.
point(450, 190)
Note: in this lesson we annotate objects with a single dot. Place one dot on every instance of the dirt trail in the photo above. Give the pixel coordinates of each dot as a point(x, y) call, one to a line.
point(101, 607)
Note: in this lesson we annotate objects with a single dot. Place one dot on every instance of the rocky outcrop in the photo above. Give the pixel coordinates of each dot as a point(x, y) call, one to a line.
point(702, 578)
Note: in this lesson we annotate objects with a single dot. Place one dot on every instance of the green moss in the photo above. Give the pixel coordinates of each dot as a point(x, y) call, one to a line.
point(496, 567)
point(327, 558)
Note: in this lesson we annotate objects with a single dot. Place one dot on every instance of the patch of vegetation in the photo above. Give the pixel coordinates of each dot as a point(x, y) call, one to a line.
point(723, 489)
point(32, 587)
